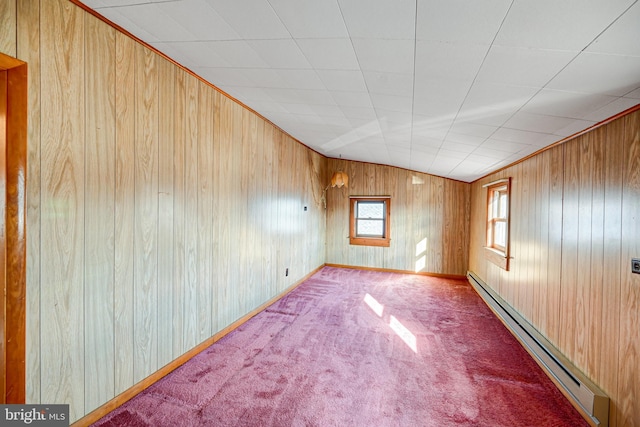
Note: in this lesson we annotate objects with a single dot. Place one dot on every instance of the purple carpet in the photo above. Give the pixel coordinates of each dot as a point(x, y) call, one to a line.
point(359, 348)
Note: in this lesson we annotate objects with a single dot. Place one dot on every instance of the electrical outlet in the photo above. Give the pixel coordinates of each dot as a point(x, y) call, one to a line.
point(635, 265)
point(286, 272)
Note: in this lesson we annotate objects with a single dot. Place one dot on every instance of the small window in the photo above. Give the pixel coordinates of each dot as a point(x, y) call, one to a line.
point(498, 222)
point(369, 221)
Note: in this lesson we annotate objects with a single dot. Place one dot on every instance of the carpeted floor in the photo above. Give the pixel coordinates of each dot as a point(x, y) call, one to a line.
point(359, 348)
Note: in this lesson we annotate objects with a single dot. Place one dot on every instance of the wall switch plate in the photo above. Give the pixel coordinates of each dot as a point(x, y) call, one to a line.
point(635, 265)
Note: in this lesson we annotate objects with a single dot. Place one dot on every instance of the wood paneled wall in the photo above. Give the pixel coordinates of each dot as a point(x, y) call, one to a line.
point(575, 226)
point(159, 210)
point(429, 219)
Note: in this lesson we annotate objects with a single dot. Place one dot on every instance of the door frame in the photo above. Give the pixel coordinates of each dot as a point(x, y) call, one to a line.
point(13, 240)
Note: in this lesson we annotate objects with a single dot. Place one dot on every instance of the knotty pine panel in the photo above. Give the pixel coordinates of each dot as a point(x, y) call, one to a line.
point(422, 207)
point(99, 211)
point(62, 325)
point(586, 227)
point(28, 39)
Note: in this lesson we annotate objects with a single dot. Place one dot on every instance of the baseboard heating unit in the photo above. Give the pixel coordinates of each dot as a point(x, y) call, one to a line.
point(585, 396)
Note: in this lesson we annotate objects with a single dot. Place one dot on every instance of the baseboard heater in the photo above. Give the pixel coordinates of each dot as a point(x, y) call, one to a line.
point(584, 395)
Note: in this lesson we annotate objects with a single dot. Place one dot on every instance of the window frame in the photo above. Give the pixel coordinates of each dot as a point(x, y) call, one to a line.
point(497, 253)
point(354, 239)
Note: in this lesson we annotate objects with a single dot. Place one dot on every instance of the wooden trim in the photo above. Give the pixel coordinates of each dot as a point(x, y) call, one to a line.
point(565, 139)
point(14, 231)
point(130, 393)
point(370, 241)
point(391, 270)
point(494, 254)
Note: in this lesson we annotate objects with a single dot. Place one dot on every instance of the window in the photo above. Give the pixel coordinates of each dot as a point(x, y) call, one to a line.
point(498, 222)
point(369, 221)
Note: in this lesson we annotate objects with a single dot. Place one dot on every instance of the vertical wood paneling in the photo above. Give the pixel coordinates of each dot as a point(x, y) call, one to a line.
point(570, 230)
point(100, 212)
point(594, 293)
point(146, 216)
point(587, 194)
point(205, 209)
point(554, 275)
point(608, 377)
point(124, 212)
point(629, 355)
point(28, 49)
point(166, 218)
point(62, 234)
point(180, 212)
point(8, 23)
point(191, 173)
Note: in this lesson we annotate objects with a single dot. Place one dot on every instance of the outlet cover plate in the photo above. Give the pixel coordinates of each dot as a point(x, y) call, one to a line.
point(635, 265)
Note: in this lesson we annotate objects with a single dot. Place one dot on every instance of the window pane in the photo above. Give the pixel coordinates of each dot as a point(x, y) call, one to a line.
point(503, 206)
point(371, 210)
point(366, 227)
point(500, 234)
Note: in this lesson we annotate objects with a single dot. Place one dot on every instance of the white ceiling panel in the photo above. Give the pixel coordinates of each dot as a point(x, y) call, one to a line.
point(251, 19)
point(456, 88)
point(311, 18)
point(523, 66)
point(329, 54)
point(380, 19)
point(564, 25)
point(455, 21)
point(599, 73)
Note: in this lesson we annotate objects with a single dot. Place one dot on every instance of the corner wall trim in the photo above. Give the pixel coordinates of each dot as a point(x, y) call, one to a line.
point(584, 395)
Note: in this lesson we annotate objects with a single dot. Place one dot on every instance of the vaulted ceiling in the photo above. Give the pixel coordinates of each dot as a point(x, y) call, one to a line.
point(455, 88)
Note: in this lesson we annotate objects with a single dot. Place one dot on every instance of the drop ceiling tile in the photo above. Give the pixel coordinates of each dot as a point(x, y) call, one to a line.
point(392, 103)
point(523, 67)
point(340, 80)
point(301, 79)
point(534, 122)
point(523, 136)
point(566, 104)
point(418, 149)
point(491, 100)
point(565, 25)
point(329, 54)
point(359, 113)
point(460, 20)
point(445, 154)
point(236, 53)
point(264, 78)
point(611, 109)
point(390, 56)
point(635, 94)
point(484, 152)
point(283, 53)
point(597, 73)
point(380, 19)
point(311, 18)
point(622, 36)
point(190, 55)
point(503, 146)
point(352, 99)
point(464, 139)
point(572, 128)
point(439, 98)
point(251, 19)
point(472, 129)
point(459, 147)
point(389, 83)
point(446, 61)
point(328, 111)
point(199, 19)
point(425, 143)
